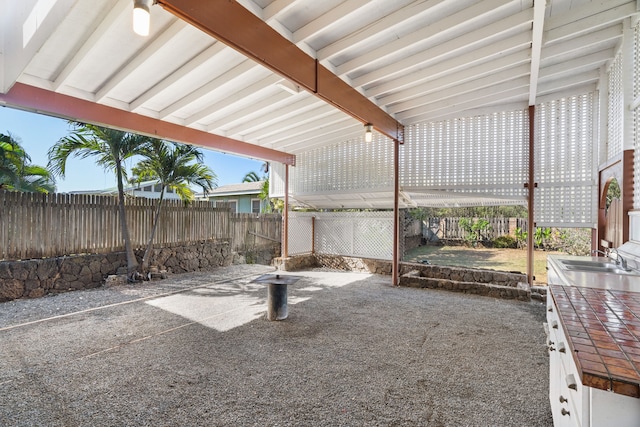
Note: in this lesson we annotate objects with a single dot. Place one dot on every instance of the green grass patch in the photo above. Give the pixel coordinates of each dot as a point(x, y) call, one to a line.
point(492, 258)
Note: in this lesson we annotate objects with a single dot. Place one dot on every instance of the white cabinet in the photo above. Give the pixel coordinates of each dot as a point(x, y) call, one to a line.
point(566, 392)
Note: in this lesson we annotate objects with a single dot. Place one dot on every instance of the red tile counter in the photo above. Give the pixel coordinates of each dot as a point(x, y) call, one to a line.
point(603, 328)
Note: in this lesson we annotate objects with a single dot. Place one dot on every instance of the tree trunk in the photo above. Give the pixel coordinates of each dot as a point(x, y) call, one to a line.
point(147, 253)
point(132, 262)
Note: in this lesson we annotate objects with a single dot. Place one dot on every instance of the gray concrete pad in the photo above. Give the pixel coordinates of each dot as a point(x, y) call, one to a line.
point(197, 350)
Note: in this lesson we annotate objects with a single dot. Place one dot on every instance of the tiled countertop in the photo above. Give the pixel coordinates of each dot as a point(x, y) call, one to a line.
point(603, 328)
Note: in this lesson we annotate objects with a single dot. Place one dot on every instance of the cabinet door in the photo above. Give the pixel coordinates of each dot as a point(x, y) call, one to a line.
point(612, 409)
point(553, 278)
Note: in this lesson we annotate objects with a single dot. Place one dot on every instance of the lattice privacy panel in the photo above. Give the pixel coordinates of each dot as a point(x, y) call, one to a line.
point(350, 165)
point(481, 154)
point(300, 234)
point(615, 124)
point(564, 150)
point(361, 234)
point(636, 117)
point(636, 159)
point(636, 61)
point(276, 179)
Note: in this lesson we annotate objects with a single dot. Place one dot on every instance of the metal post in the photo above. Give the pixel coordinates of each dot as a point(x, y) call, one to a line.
point(395, 277)
point(530, 187)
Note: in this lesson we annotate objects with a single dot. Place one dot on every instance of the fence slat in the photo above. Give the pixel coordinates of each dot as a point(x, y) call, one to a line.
point(49, 225)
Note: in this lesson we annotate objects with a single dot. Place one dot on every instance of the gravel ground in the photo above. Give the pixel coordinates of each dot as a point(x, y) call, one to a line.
point(196, 350)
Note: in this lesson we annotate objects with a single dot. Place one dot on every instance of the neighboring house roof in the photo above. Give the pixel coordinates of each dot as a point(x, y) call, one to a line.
point(114, 190)
point(243, 188)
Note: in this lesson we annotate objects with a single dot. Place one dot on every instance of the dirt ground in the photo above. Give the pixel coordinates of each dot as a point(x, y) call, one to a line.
point(496, 259)
point(197, 350)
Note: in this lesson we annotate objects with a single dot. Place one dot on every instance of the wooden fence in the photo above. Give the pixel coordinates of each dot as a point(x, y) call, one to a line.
point(49, 225)
point(450, 229)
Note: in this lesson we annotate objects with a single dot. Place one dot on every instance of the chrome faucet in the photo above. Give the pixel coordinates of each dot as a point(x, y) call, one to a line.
point(620, 260)
point(596, 252)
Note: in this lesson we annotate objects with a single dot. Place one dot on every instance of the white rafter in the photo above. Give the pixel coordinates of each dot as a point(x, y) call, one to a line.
point(539, 8)
point(140, 58)
point(465, 43)
point(202, 58)
point(101, 30)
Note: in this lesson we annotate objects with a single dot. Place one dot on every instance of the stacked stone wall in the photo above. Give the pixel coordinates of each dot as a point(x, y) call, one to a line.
point(486, 282)
point(37, 277)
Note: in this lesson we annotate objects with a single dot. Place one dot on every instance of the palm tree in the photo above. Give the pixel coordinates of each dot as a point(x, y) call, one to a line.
point(172, 165)
point(251, 177)
point(264, 189)
point(16, 171)
point(111, 148)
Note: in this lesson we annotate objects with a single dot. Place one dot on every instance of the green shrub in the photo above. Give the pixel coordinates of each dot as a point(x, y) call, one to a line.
point(505, 241)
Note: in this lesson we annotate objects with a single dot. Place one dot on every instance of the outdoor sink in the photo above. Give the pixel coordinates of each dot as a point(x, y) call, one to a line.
point(585, 263)
point(597, 269)
point(594, 266)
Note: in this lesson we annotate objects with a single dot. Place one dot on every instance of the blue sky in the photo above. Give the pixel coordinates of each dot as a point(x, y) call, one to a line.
point(38, 133)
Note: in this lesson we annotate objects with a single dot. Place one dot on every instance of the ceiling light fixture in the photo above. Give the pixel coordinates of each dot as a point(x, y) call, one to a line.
point(368, 132)
point(141, 16)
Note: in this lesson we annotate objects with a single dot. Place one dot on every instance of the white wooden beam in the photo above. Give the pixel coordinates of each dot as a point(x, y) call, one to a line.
point(209, 54)
point(332, 134)
point(590, 23)
point(25, 26)
point(304, 102)
point(586, 10)
point(341, 132)
point(152, 48)
point(467, 42)
point(248, 115)
point(236, 72)
point(417, 10)
point(564, 83)
point(580, 43)
point(490, 93)
point(501, 66)
point(294, 125)
point(463, 18)
point(101, 29)
point(247, 91)
point(576, 65)
point(504, 98)
point(516, 45)
point(340, 13)
point(539, 8)
point(507, 76)
point(276, 9)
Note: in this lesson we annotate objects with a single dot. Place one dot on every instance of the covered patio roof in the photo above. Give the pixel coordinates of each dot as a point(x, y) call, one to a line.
point(380, 61)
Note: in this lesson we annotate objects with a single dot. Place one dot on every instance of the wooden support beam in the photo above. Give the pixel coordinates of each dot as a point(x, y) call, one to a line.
point(42, 101)
point(285, 215)
point(237, 27)
point(531, 188)
point(395, 273)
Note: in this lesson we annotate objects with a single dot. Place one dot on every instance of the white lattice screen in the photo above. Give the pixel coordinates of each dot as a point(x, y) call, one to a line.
point(361, 234)
point(276, 180)
point(636, 117)
point(300, 233)
point(564, 150)
point(616, 108)
point(350, 165)
point(480, 155)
